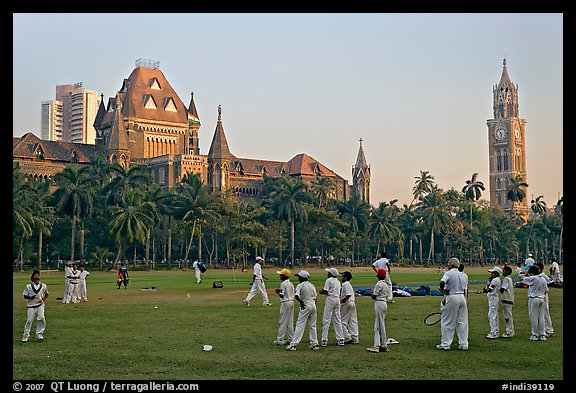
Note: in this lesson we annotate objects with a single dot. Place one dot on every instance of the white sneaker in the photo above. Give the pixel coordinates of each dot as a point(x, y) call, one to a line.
point(439, 346)
point(533, 338)
point(492, 335)
point(315, 347)
point(324, 343)
point(25, 339)
point(507, 335)
point(542, 338)
point(373, 349)
point(463, 347)
point(276, 342)
point(291, 347)
point(246, 303)
point(39, 337)
point(267, 304)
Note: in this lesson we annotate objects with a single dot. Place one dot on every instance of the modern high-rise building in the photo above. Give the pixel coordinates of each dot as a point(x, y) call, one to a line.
point(506, 146)
point(84, 105)
point(63, 95)
point(51, 120)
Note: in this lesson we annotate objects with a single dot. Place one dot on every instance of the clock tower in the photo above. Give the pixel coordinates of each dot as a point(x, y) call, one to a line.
point(506, 145)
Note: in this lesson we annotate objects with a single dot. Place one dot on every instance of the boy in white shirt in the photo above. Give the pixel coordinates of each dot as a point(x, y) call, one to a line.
point(380, 295)
point(286, 319)
point(82, 289)
point(493, 292)
point(348, 310)
point(305, 295)
point(507, 299)
point(332, 308)
point(35, 294)
point(537, 289)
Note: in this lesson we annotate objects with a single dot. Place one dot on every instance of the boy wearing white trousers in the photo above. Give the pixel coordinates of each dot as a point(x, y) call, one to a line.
point(305, 295)
point(348, 310)
point(257, 285)
point(332, 308)
point(286, 319)
point(35, 294)
point(537, 289)
point(507, 299)
point(82, 289)
point(492, 290)
point(548, 327)
point(380, 295)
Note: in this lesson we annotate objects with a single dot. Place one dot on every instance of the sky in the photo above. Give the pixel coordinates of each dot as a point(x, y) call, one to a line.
point(415, 87)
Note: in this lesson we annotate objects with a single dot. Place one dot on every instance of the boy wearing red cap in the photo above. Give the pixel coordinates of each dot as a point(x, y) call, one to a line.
point(380, 295)
point(286, 320)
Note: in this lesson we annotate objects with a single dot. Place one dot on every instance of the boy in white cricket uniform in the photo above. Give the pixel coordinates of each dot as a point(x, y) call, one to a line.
point(454, 309)
point(67, 273)
point(82, 289)
point(492, 290)
point(73, 277)
point(35, 293)
point(348, 310)
point(547, 319)
point(257, 285)
point(379, 295)
point(384, 263)
point(286, 319)
point(537, 288)
point(197, 272)
point(507, 299)
point(305, 295)
point(332, 307)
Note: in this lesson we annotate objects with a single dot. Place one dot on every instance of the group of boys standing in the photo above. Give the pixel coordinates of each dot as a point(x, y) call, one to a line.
point(339, 308)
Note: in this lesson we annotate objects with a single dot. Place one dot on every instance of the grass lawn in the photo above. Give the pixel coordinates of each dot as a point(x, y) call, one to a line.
point(140, 335)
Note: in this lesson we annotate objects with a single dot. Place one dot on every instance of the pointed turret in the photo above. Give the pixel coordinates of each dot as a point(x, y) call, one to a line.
point(361, 177)
point(192, 112)
point(118, 148)
point(219, 148)
point(193, 127)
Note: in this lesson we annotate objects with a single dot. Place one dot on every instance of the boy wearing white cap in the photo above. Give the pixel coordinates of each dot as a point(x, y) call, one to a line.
point(257, 285)
point(305, 295)
point(348, 310)
point(332, 307)
point(286, 320)
point(492, 290)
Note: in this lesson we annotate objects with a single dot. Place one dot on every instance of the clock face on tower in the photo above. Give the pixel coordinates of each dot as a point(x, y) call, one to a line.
point(500, 134)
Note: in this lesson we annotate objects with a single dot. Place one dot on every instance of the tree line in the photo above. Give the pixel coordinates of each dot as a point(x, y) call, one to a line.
point(104, 213)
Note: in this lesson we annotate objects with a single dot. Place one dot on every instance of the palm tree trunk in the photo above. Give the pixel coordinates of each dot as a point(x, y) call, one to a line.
point(190, 243)
point(40, 250)
point(431, 251)
point(169, 246)
point(73, 238)
point(21, 253)
point(82, 244)
point(291, 242)
point(147, 253)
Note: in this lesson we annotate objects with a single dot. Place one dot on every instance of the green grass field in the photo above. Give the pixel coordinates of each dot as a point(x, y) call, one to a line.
point(139, 335)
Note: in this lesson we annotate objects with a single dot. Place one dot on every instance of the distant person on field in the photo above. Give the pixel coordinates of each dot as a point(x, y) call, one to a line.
point(380, 295)
point(197, 272)
point(555, 271)
point(492, 291)
point(67, 272)
point(257, 285)
point(82, 289)
point(306, 295)
point(519, 272)
point(453, 308)
point(35, 294)
point(507, 300)
point(348, 310)
point(537, 289)
point(73, 279)
point(529, 261)
point(123, 277)
point(286, 319)
point(384, 263)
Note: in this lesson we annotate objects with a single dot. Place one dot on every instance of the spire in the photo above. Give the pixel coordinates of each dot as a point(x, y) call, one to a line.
point(219, 147)
point(361, 159)
point(118, 137)
point(505, 79)
point(192, 108)
point(100, 114)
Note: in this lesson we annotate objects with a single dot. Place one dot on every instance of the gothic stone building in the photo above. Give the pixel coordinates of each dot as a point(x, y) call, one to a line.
point(147, 124)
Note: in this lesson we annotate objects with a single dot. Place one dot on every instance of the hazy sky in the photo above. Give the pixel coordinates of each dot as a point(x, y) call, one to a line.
point(417, 88)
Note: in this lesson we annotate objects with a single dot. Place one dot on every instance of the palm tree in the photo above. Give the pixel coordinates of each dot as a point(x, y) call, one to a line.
point(516, 192)
point(194, 204)
point(472, 191)
point(422, 186)
point(74, 196)
point(538, 207)
point(24, 201)
point(130, 219)
point(124, 179)
point(559, 211)
point(433, 210)
point(321, 190)
point(355, 213)
point(287, 198)
point(383, 223)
